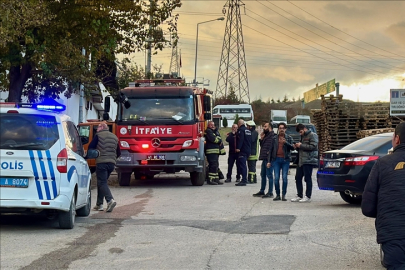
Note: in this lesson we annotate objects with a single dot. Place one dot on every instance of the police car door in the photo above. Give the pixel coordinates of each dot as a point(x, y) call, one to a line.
point(77, 165)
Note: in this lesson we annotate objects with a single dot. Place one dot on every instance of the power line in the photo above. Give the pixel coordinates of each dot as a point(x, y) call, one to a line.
point(344, 31)
point(327, 38)
point(306, 43)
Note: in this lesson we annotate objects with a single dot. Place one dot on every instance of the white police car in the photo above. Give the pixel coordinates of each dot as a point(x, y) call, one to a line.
point(42, 163)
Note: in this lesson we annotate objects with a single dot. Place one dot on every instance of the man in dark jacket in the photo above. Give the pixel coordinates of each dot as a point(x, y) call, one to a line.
point(212, 146)
point(107, 144)
point(383, 199)
point(283, 144)
point(254, 152)
point(232, 155)
point(307, 160)
point(266, 145)
point(243, 145)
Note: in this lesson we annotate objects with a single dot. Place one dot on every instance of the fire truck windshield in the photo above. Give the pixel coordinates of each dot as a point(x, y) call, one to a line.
point(170, 110)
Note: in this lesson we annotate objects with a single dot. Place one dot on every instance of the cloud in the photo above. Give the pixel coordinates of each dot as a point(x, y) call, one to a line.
point(397, 32)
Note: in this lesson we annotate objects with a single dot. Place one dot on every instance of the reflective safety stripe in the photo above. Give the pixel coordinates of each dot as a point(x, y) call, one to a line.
point(252, 173)
point(212, 151)
point(217, 139)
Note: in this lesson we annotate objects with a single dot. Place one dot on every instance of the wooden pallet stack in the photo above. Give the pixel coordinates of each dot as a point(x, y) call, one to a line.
point(369, 132)
point(376, 116)
point(319, 119)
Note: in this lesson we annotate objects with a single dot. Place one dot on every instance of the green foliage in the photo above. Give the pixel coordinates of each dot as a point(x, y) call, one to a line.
point(285, 99)
point(225, 122)
point(236, 119)
point(47, 46)
point(129, 72)
point(230, 99)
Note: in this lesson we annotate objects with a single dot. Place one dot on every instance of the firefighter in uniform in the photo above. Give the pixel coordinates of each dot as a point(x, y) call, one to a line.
point(212, 151)
point(254, 152)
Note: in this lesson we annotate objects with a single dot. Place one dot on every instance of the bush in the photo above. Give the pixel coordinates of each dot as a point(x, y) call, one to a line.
point(225, 122)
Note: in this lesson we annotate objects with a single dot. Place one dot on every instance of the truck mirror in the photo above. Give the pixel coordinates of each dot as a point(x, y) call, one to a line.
point(107, 105)
point(106, 116)
point(207, 103)
point(207, 116)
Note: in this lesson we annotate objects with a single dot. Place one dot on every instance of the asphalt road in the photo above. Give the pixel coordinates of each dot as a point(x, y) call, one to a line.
point(166, 223)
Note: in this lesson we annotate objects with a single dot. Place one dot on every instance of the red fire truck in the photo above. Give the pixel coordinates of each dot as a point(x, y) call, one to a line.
point(160, 126)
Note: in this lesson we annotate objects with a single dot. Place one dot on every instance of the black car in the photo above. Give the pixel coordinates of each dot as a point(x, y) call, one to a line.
point(346, 170)
point(291, 130)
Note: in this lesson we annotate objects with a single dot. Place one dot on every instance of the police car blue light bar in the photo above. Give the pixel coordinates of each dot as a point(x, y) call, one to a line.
point(42, 107)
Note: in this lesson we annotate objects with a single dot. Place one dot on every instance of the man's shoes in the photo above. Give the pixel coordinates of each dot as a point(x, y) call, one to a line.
point(98, 207)
point(212, 183)
point(110, 205)
point(240, 184)
point(305, 199)
point(237, 179)
point(218, 181)
point(228, 180)
point(296, 199)
point(277, 198)
point(249, 182)
point(283, 198)
point(268, 195)
point(259, 194)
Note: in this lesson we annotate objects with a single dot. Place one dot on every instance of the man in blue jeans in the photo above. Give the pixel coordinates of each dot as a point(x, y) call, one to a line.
point(283, 144)
point(266, 148)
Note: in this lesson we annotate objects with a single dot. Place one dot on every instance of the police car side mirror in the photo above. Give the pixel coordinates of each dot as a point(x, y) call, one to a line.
point(92, 153)
point(84, 139)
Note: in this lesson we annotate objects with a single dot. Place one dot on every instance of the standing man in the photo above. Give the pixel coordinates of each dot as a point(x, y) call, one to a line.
point(383, 199)
point(107, 144)
point(283, 144)
point(266, 148)
point(307, 160)
point(233, 156)
point(243, 146)
point(254, 152)
point(212, 145)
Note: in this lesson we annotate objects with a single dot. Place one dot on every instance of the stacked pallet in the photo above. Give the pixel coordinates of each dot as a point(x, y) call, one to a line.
point(375, 116)
point(369, 132)
point(319, 119)
point(393, 122)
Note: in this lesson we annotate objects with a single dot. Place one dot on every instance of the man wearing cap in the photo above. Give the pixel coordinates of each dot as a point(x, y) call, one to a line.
point(243, 146)
point(254, 152)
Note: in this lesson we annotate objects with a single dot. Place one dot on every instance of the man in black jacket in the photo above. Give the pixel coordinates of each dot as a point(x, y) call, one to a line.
point(266, 148)
point(243, 145)
point(212, 150)
point(232, 155)
point(254, 152)
point(383, 199)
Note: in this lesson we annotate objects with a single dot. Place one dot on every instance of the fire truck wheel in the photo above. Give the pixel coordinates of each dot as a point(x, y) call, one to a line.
point(124, 178)
point(197, 178)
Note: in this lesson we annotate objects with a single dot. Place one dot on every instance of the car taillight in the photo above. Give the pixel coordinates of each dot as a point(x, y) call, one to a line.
point(321, 163)
point(359, 161)
point(61, 161)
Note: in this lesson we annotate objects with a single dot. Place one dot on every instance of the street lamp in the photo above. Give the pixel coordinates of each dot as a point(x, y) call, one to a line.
point(196, 47)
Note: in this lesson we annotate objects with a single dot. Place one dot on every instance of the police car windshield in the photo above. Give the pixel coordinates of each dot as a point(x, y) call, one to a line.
point(152, 110)
point(27, 131)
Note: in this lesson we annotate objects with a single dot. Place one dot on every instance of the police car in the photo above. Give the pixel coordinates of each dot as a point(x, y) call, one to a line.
point(42, 163)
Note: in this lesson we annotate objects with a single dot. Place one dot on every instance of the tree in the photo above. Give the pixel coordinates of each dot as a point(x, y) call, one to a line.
point(225, 122)
point(236, 119)
point(278, 100)
point(285, 99)
point(230, 99)
point(272, 101)
point(48, 46)
point(129, 72)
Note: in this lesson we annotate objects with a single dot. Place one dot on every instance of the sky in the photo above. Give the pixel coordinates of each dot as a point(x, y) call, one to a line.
point(290, 46)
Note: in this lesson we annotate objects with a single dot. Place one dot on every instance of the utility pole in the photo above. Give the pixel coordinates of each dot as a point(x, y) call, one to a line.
point(232, 68)
point(149, 53)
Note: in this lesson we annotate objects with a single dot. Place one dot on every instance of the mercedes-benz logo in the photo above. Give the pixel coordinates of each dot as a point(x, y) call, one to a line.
point(155, 142)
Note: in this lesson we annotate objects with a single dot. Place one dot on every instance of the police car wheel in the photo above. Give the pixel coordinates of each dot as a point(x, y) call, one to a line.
point(85, 211)
point(67, 219)
point(352, 199)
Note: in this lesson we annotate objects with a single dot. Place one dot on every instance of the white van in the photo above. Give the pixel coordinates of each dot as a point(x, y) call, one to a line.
point(301, 119)
point(42, 163)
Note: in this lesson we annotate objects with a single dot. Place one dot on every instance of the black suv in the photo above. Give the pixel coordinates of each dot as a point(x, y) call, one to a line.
point(296, 136)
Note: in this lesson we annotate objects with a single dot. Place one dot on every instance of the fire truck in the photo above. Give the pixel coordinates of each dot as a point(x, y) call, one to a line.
point(160, 125)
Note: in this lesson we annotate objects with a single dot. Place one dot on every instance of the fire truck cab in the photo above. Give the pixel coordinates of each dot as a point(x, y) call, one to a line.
point(160, 126)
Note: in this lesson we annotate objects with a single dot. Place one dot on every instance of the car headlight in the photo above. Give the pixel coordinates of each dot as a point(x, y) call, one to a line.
point(124, 144)
point(188, 158)
point(187, 143)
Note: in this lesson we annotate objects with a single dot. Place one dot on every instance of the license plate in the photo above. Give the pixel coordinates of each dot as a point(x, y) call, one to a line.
point(332, 164)
point(14, 182)
point(155, 157)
